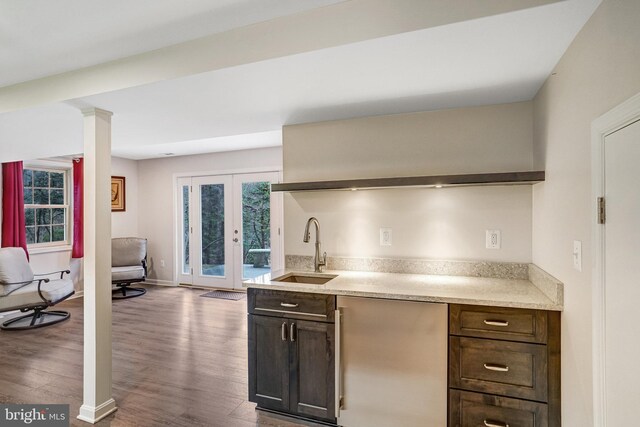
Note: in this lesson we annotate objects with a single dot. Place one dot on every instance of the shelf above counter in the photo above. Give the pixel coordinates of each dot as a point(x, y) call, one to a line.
point(500, 178)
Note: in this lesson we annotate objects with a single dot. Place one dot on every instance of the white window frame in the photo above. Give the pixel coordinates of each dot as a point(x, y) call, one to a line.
point(55, 166)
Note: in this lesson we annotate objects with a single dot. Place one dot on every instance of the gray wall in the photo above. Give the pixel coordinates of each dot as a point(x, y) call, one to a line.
point(600, 70)
point(447, 223)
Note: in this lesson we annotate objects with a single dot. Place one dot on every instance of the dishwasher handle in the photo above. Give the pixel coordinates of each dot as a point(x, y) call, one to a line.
point(338, 365)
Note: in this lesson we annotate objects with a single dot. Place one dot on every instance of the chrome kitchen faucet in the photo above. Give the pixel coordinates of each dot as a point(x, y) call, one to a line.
point(317, 262)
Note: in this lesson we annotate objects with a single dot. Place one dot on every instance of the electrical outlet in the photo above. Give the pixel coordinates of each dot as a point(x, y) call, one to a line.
point(385, 237)
point(577, 255)
point(493, 238)
point(162, 263)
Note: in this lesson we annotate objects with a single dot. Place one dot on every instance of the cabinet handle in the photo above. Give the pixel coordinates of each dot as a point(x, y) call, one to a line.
point(292, 334)
point(496, 322)
point(283, 331)
point(288, 305)
point(493, 367)
point(491, 423)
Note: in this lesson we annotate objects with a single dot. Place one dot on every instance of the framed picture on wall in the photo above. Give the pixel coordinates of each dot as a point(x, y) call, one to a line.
point(118, 199)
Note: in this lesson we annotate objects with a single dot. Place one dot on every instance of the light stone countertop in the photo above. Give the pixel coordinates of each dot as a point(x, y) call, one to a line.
point(418, 287)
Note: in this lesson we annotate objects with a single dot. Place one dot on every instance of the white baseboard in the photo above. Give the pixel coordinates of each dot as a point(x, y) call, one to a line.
point(93, 414)
point(161, 282)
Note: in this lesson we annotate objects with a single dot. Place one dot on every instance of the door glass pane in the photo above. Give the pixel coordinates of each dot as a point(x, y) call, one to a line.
point(212, 229)
point(256, 229)
point(186, 267)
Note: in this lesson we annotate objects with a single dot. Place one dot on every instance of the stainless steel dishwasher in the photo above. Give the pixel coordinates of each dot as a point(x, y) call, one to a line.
point(391, 363)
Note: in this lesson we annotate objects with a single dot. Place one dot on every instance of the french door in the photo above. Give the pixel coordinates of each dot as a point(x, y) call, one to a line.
point(229, 229)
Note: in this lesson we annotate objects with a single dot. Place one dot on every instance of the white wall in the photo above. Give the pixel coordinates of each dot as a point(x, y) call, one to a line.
point(600, 70)
point(125, 224)
point(447, 223)
point(156, 195)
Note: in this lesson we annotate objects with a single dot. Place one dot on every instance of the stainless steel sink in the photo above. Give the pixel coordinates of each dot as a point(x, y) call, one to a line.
point(310, 279)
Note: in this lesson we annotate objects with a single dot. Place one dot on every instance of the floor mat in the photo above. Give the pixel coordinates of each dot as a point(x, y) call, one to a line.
point(235, 296)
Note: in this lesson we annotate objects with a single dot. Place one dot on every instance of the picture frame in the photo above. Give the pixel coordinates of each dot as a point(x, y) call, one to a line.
point(118, 194)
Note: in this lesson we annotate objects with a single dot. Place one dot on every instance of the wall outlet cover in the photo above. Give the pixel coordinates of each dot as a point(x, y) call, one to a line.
point(493, 239)
point(385, 237)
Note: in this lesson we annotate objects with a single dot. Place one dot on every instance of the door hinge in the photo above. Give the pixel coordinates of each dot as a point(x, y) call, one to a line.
point(192, 271)
point(602, 210)
point(278, 231)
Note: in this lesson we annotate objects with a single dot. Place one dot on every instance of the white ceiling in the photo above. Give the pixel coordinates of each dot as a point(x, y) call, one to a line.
point(499, 59)
point(43, 37)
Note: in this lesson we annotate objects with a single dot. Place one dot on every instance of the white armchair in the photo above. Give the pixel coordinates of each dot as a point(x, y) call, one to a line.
point(128, 266)
point(22, 290)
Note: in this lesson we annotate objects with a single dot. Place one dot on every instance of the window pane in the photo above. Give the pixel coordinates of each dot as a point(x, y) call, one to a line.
point(212, 229)
point(58, 216)
point(43, 216)
point(58, 233)
point(28, 196)
point(57, 197)
point(31, 235)
point(44, 234)
point(41, 197)
point(27, 178)
point(186, 269)
point(256, 229)
point(57, 180)
point(41, 179)
point(29, 216)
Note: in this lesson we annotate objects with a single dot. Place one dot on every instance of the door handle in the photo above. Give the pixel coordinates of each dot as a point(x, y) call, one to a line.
point(283, 331)
point(235, 240)
point(292, 333)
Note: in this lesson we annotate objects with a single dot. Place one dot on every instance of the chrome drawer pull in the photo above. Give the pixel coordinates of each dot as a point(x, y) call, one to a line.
point(499, 368)
point(491, 423)
point(496, 322)
point(288, 305)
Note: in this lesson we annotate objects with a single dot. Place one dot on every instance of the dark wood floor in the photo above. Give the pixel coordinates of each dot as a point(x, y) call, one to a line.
point(178, 360)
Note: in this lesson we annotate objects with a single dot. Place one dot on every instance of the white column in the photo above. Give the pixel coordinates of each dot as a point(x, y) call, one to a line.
point(97, 401)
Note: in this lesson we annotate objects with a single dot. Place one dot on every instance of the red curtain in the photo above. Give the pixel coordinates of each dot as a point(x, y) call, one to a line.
point(14, 233)
point(78, 209)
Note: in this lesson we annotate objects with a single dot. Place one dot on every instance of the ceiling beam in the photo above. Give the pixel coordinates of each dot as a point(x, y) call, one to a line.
point(325, 27)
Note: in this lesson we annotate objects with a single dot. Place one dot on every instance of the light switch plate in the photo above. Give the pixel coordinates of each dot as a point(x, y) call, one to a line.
point(494, 240)
point(577, 255)
point(385, 237)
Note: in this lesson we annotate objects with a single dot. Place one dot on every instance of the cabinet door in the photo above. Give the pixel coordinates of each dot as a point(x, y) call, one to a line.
point(269, 362)
point(312, 369)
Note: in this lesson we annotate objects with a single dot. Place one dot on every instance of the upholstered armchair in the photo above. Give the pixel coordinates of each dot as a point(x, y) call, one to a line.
point(22, 290)
point(128, 266)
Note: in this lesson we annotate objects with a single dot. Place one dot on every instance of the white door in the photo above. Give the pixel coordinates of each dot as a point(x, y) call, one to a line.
point(228, 229)
point(622, 276)
point(257, 232)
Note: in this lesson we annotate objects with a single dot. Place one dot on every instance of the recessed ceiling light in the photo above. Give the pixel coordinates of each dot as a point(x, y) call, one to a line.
point(168, 154)
point(439, 186)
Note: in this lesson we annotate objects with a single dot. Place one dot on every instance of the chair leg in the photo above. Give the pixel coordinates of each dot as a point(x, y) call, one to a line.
point(38, 319)
point(127, 291)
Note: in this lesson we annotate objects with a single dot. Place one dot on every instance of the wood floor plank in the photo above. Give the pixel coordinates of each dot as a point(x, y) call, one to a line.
point(178, 360)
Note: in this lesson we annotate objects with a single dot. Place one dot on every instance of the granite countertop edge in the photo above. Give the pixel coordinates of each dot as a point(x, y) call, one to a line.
point(511, 293)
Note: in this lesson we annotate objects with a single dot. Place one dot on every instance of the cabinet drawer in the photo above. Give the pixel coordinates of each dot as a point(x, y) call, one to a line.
point(499, 367)
point(511, 324)
point(481, 410)
point(294, 305)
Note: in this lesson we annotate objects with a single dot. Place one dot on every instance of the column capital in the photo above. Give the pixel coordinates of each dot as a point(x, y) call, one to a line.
point(93, 111)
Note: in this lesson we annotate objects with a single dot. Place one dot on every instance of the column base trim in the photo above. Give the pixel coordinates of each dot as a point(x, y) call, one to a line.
point(93, 414)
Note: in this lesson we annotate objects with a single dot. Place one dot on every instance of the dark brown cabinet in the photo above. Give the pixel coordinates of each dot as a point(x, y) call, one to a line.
point(504, 367)
point(291, 359)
